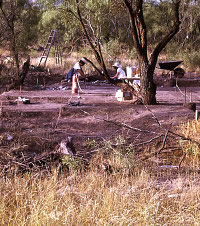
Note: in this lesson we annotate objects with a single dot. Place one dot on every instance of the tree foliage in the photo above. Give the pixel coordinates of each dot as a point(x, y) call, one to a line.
point(30, 22)
point(108, 20)
point(18, 21)
point(22, 18)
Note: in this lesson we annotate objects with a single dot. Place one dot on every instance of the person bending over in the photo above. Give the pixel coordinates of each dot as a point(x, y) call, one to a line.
point(76, 70)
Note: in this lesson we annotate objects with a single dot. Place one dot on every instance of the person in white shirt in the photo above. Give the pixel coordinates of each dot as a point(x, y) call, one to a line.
point(78, 67)
point(120, 73)
point(76, 70)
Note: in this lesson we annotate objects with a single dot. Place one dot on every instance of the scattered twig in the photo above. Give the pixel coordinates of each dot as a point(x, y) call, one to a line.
point(182, 158)
point(164, 141)
point(149, 141)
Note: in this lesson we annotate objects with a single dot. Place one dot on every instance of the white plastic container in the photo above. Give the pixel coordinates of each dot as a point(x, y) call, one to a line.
point(130, 71)
point(122, 96)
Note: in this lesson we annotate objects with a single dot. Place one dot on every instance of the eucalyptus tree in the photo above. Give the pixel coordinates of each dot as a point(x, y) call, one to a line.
point(147, 61)
point(189, 36)
point(102, 17)
point(94, 21)
point(19, 19)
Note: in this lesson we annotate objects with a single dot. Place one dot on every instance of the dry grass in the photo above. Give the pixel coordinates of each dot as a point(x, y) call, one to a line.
point(124, 194)
point(95, 198)
point(191, 129)
point(115, 189)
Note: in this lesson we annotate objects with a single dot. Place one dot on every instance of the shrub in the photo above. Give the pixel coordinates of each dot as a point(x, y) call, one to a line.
point(192, 59)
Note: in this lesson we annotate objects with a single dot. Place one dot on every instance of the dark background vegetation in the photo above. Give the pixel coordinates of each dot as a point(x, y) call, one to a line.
point(31, 22)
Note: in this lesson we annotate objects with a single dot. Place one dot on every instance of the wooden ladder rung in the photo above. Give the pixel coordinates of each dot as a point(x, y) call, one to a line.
point(53, 40)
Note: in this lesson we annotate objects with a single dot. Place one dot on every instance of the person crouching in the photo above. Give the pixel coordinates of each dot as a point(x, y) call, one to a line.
point(120, 73)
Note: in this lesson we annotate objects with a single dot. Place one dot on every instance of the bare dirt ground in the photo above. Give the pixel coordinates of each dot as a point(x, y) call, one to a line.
point(96, 115)
point(53, 115)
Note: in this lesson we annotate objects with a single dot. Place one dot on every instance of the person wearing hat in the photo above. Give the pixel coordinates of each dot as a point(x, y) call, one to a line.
point(120, 73)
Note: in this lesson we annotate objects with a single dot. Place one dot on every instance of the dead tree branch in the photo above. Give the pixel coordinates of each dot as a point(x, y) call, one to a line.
point(182, 158)
point(149, 141)
point(164, 142)
point(153, 115)
point(119, 124)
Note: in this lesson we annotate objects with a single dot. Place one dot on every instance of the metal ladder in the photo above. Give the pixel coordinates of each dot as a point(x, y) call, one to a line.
point(53, 40)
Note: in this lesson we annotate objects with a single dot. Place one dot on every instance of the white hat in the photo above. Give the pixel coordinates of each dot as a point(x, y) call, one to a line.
point(117, 64)
point(84, 60)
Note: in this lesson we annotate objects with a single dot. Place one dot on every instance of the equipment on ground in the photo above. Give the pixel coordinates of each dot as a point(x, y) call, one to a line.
point(123, 95)
point(53, 40)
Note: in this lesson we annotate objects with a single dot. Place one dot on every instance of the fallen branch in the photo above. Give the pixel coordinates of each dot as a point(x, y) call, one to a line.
point(171, 150)
point(153, 115)
point(183, 137)
point(147, 142)
point(119, 124)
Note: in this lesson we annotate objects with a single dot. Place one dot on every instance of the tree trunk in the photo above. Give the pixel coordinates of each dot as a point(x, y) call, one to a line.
point(19, 82)
point(139, 32)
point(147, 85)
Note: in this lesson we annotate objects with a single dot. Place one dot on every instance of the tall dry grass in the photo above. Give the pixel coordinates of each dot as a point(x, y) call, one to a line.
point(124, 194)
point(95, 198)
point(115, 189)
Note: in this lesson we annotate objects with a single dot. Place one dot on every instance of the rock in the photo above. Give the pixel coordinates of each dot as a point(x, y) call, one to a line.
point(67, 147)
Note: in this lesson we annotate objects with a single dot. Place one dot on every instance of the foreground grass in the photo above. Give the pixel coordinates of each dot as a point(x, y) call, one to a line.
point(114, 190)
point(98, 199)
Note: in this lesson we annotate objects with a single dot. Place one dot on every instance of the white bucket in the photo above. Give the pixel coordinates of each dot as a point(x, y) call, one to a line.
point(130, 71)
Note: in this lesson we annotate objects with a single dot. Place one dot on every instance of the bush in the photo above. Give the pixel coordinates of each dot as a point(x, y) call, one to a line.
point(192, 59)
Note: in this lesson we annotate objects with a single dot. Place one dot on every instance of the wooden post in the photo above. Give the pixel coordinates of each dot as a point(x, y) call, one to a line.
point(44, 81)
point(190, 95)
point(185, 95)
point(196, 115)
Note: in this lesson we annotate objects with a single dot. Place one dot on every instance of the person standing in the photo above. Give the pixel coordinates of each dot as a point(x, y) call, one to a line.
point(78, 71)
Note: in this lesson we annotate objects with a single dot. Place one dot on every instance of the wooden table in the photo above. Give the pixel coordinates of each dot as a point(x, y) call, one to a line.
point(130, 79)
